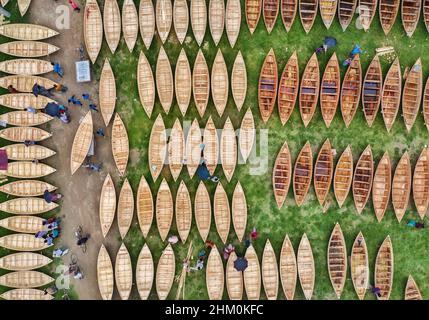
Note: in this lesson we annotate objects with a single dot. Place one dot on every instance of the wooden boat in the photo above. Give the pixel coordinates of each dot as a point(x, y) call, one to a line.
point(27, 188)
point(239, 81)
point(146, 84)
point(410, 15)
point(350, 90)
point(228, 149)
point(219, 83)
point(4, 2)
point(107, 205)
point(216, 19)
point(234, 279)
point(81, 143)
point(198, 20)
point(366, 10)
point(22, 242)
point(183, 208)
point(112, 24)
point(267, 86)
point(307, 13)
point(26, 66)
point(371, 90)
point(24, 224)
point(20, 151)
point(215, 278)
point(27, 206)
point(193, 151)
point(362, 179)
point(92, 29)
point(23, 6)
point(164, 209)
point(147, 22)
point(165, 273)
point(232, 21)
point(381, 186)
point(306, 269)
point(25, 83)
point(412, 291)
point(391, 94)
point(288, 88)
point(309, 90)
point(253, 13)
point(330, 90)
point(288, 269)
point(412, 95)
point(282, 174)
point(105, 276)
point(426, 13)
point(302, 174)
point(246, 139)
point(25, 31)
point(130, 23)
point(183, 81)
point(270, 273)
point(164, 17)
point(203, 210)
point(125, 209)
point(239, 211)
point(337, 260)
point(270, 10)
point(401, 186)
point(28, 49)
point(252, 275)
point(180, 19)
point(200, 82)
point(359, 267)
point(426, 104)
point(388, 11)
point(26, 294)
point(176, 149)
point(120, 145)
point(27, 170)
point(123, 273)
point(20, 134)
point(384, 266)
point(21, 101)
point(107, 92)
point(164, 79)
point(22, 261)
point(24, 118)
point(328, 8)
point(421, 183)
point(323, 171)
point(288, 12)
point(157, 147)
point(145, 206)
point(222, 212)
point(144, 272)
point(25, 279)
point(211, 142)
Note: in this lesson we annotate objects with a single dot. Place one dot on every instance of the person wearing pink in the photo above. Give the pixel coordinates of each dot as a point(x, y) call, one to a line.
point(74, 5)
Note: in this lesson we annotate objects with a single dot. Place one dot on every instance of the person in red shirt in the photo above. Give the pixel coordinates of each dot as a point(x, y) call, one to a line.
point(74, 5)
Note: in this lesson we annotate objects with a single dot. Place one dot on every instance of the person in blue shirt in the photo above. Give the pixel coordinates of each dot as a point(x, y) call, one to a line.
point(57, 69)
point(202, 171)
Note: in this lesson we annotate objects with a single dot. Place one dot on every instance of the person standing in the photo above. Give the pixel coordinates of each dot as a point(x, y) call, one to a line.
point(74, 5)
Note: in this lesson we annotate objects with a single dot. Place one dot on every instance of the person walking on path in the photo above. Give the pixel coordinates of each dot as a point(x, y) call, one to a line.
point(93, 107)
point(100, 132)
point(57, 69)
point(75, 101)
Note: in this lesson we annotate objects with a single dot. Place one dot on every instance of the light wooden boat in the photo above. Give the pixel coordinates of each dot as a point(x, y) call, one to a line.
point(270, 273)
point(233, 21)
point(288, 269)
point(302, 173)
point(144, 272)
point(426, 104)
point(24, 224)
point(4, 2)
point(23, 6)
point(147, 21)
point(125, 209)
point(92, 29)
point(28, 49)
point(359, 267)
point(112, 24)
point(247, 136)
point(267, 86)
point(203, 210)
point(426, 13)
point(381, 186)
point(215, 278)
point(211, 145)
point(130, 23)
point(27, 188)
point(351, 90)
point(421, 183)
point(176, 149)
point(239, 81)
point(366, 10)
point(120, 144)
point(306, 269)
point(25, 31)
point(193, 148)
point(200, 82)
point(25, 279)
point(282, 173)
point(388, 11)
point(181, 19)
point(165, 273)
point(288, 88)
point(164, 79)
point(26, 294)
point(107, 92)
point(239, 211)
point(234, 279)
point(384, 266)
point(21, 101)
point(371, 90)
point(145, 207)
point(253, 13)
point(81, 143)
point(26, 66)
point(222, 212)
point(198, 20)
point(27, 170)
point(328, 8)
point(183, 81)
point(288, 10)
point(22, 242)
point(123, 273)
point(27, 206)
point(164, 209)
point(22, 261)
point(164, 17)
point(25, 83)
point(307, 13)
point(105, 276)
point(107, 205)
point(24, 118)
point(410, 15)
point(337, 260)
point(412, 95)
point(362, 179)
point(21, 134)
point(146, 84)
point(219, 83)
point(391, 94)
point(270, 11)
point(183, 212)
point(412, 291)
point(228, 149)
point(252, 275)
point(401, 186)
point(309, 90)
point(330, 90)
point(323, 172)
point(157, 148)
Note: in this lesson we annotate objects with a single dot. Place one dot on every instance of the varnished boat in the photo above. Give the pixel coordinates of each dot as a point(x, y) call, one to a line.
point(200, 82)
point(203, 210)
point(27, 206)
point(81, 143)
point(144, 272)
point(23, 6)
point(421, 183)
point(21, 101)
point(215, 278)
point(130, 23)
point(239, 211)
point(183, 212)
point(288, 88)
point(183, 82)
point(219, 83)
point(20, 151)
point(193, 148)
point(164, 209)
point(232, 21)
point(107, 207)
point(22, 242)
point(328, 8)
point(288, 12)
point(252, 275)
point(157, 148)
point(24, 224)
point(105, 276)
point(234, 279)
point(330, 90)
point(92, 29)
point(426, 104)
point(267, 86)
point(381, 186)
point(107, 92)
point(371, 90)
point(25, 118)
point(253, 13)
point(165, 273)
point(337, 260)
point(25, 31)
point(26, 66)
point(123, 273)
point(21, 134)
point(288, 269)
point(146, 84)
point(366, 10)
point(228, 149)
point(282, 172)
point(180, 19)
point(147, 21)
point(25, 279)
point(164, 79)
point(309, 90)
point(247, 135)
point(410, 15)
point(198, 19)
point(176, 149)
point(306, 269)
point(388, 11)
point(391, 94)
point(125, 209)
point(323, 171)
point(302, 174)
point(270, 273)
point(211, 145)
point(350, 90)
point(412, 291)
point(270, 10)
point(120, 144)
point(27, 170)
point(24, 261)
point(308, 13)
point(27, 188)
point(359, 267)
point(112, 24)
point(384, 266)
point(426, 13)
point(239, 81)
point(145, 207)
point(28, 49)
point(164, 17)
point(412, 95)
point(362, 179)
point(216, 19)
point(26, 294)
point(346, 11)
point(25, 83)
point(401, 186)
point(222, 212)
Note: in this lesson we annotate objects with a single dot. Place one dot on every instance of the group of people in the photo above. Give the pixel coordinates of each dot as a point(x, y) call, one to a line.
point(51, 230)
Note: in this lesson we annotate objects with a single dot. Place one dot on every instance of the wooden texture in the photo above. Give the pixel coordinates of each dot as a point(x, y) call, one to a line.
point(412, 291)
point(25, 31)
point(125, 209)
point(359, 267)
point(306, 269)
point(23, 6)
point(146, 84)
point(426, 104)
point(144, 272)
point(270, 273)
point(412, 95)
point(216, 19)
point(25, 83)
point(81, 143)
point(27, 66)
point(164, 209)
point(228, 149)
point(203, 210)
point(145, 207)
point(181, 19)
point(112, 24)
point(247, 136)
point(267, 86)
point(198, 19)
point(270, 11)
point(130, 23)
point(232, 21)
point(351, 90)
point(215, 278)
point(20, 101)
point(25, 118)
point(164, 79)
point(234, 279)
point(239, 81)
point(288, 88)
point(288, 269)
point(22, 261)
point(391, 94)
point(183, 208)
point(25, 279)
point(211, 145)
point(328, 8)
point(105, 276)
point(330, 90)
point(323, 172)
point(384, 266)
point(382, 186)
point(28, 49)
point(219, 83)
point(27, 206)
point(176, 149)
point(410, 15)
point(253, 13)
point(24, 224)
point(165, 273)
point(252, 275)
point(27, 170)
point(288, 10)
point(164, 17)
point(27, 188)
point(362, 179)
point(21, 134)
point(107, 205)
point(371, 90)
point(337, 260)
point(421, 183)
point(426, 13)
point(147, 21)
point(22, 242)
point(120, 145)
point(20, 151)
point(183, 82)
point(282, 173)
point(401, 186)
point(107, 92)
point(201, 82)
point(123, 273)
point(309, 90)
point(157, 148)
point(26, 294)
point(239, 211)
point(366, 10)
point(388, 11)
point(307, 13)
point(193, 148)
point(92, 29)
point(222, 212)
point(302, 174)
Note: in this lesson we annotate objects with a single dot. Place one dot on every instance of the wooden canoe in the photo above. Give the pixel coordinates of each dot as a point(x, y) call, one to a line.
point(412, 291)
point(288, 88)
point(216, 19)
point(282, 173)
point(307, 13)
point(211, 145)
point(252, 275)
point(288, 10)
point(426, 104)
point(164, 209)
point(147, 21)
point(22, 261)
point(426, 13)
point(412, 95)
point(371, 90)
point(200, 82)
point(24, 224)
point(384, 266)
point(239, 211)
point(350, 90)
point(27, 66)
point(306, 269)
point(27, 188)
point(25, 279)
point(337, 260)
point(157, 148)
point(267, 86)
point(107, 92)
point(421, 183)
point(146, 84)
point(391, 94)
point(165, 273)
point(27, 206)
point(219, 83)
point(81, 143)
point(222, 212)
point(288, 269)
point(24, 118)
point(120, 144)
point(323, 172)
point(176, 149)
point(239, 81)
point(21, 101)
point(270, 273)
point(302, 173)
point(164, 17)
point(130, 23)
point(183, 208)
point(183, 82)
point(123, 273)
point(145, 207)
point(25, 83)
point(362, 179)
point(253, 13)
point(26, 294)
point(203, 211)
point(215, 278)
point(228, 149)
point(144, 272)
point(107, 205)
point(193, 148)
point(164, 79)
point(270, 11)
point(21, 134)
point(247, 136)
point(388, 11)
point(125, 209)
point(180, 19)
point(234, 279)
point(410, 15)
point(105, 276)
point(199, 20)
point(328, 8)
point(309, 90)
point(381, 186)
point(20, 151)
point(233, 21)
point(4, 2)
point(25, 31)
point(27, 170)
point(22, 242)
point(28, 49)
point(92, 29)
point(359, 267)
point(112, 24)
point(401, 186)
point(366, 11)
point(23, 6)
point(330, 90)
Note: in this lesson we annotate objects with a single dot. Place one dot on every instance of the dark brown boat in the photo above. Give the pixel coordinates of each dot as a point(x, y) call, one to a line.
point(391, 94)
point(270, 12)
point(288, 88)
point(362, 179)
point(330, 90)
point(282, 173)
point(323, 171)
point(412, 94)
point(288, 12)
point(410, 14)
point(308, 13)
point(350, 90)
point(309, 91)
point(253, 13)
point(337, 260)
point(302, 174)
point(343, 176)
point(371, 91)
point(388, 11)
point(346, 11)
point(267, 87)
